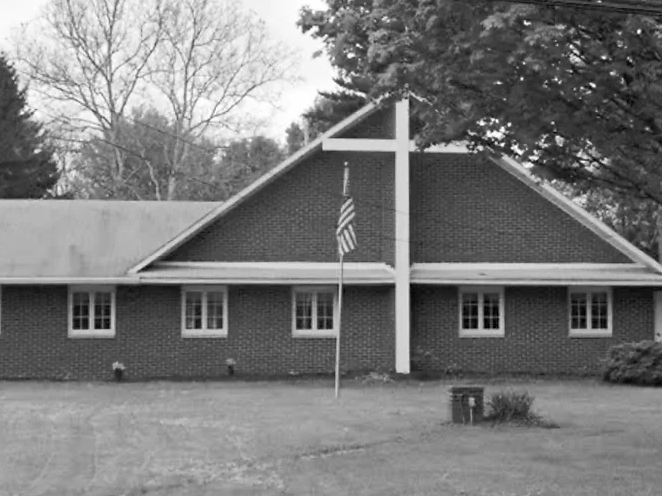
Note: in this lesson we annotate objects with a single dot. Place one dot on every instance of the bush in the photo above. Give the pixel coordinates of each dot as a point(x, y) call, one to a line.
point(634, 363)
point(509, 406)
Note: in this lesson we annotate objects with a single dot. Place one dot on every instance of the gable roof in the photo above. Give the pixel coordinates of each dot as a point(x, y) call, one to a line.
point(508, 164)
point(85, 239)
point(256, 186)
point(575, 211)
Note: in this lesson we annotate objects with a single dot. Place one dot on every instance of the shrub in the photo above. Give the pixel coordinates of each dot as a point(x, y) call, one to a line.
point(509, 406)
point(634, 363)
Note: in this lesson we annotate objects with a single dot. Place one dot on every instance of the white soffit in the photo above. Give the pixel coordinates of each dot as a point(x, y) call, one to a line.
point(266, 273)
point(535, 274)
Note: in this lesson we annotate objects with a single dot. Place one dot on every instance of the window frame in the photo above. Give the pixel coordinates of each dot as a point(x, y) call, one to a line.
point(589, 332)
point(205, 332)
point(481, 332)
point(92, 332)
point(314, 332)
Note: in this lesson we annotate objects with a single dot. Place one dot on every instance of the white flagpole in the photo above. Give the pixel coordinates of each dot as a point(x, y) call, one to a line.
point(340, 291)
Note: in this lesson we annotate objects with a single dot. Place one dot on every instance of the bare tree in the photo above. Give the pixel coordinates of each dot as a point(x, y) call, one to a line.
point(197, 61)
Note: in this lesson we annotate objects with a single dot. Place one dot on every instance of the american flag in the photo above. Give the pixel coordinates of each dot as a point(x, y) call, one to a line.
point(345, 231)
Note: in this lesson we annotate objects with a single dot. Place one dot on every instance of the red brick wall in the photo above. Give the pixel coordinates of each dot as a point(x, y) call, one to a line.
point(465, 208)
point(294, 218)
point(536, 335)
point(34, 342)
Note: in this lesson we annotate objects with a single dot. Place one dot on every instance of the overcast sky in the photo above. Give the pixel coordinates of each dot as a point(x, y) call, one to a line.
point(280, 16)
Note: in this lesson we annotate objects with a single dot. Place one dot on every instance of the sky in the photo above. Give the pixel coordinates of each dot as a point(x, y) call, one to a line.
point(280, 17)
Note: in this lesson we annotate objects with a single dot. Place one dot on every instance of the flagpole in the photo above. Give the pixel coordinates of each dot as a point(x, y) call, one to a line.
point(340, 291)
point(346, 242)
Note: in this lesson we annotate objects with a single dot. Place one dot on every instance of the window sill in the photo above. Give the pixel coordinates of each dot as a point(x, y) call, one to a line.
point(590, 334)
point(481, 334)
point(204, 334)
point(314, 334)
point(91, 334)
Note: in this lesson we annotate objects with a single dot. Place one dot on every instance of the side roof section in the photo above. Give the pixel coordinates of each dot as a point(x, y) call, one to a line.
point(256, 186)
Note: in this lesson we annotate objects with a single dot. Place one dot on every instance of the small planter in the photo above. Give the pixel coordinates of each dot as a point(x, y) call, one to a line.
point(230, 362)
point(119, 375)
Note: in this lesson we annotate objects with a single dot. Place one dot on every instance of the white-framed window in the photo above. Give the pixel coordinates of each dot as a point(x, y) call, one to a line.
point(590, 312)
point(204, 311)
point(481, 311)
point(91, 312)
point(314, 311)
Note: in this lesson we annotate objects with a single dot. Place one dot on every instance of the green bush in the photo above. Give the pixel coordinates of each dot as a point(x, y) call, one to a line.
point(634, 363)
point(509, 406)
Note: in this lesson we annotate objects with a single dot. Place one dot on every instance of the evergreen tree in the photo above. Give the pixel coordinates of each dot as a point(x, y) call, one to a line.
point(27, 166)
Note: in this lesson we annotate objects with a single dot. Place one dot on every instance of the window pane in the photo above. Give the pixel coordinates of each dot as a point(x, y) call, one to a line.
point(325, 311)
point(491, 311)
point(102, 309)
point(304, 311)
point(193, 315)
point(469, 310)
point(578, 311)
point(215, 310)
point(80, 311)
point(599, 318)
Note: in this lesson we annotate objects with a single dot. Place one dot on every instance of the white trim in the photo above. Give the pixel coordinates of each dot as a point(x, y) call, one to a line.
point(534, 282)
point(481, 332)
point(589, 332)
point(578, 213)
point(520, 266)
point(272, 265)
point(401, 239)
point(254, 187)
point(204, 332)
point(91, 333)
point(358, 145)
point(69, 280)
point(314, 333)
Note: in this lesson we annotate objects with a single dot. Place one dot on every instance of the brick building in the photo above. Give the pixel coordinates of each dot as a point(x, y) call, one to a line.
point(463, 258)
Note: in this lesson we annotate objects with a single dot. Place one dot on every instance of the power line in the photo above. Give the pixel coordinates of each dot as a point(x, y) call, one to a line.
point(132, 120)
point(636, 7)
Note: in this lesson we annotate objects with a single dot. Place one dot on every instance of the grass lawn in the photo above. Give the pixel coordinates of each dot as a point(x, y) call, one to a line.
point(294, 438)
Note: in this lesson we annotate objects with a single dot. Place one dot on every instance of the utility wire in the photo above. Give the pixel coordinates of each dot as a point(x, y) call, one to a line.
point(635, 7)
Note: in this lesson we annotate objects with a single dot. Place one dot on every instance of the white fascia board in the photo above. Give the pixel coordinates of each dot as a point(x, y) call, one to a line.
point(348, 266)
point(534, 282)
point(358, 145)
point(567, 205)
point(68, 280)
point(254, 187)
point(275, 281)
point(521, 266)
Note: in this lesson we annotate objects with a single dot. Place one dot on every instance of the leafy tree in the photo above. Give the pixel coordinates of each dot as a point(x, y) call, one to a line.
point(328, 109)
point(295, 138)
point(577, 93)
point(245, 160)
point(27, 167)
point(146, 142)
